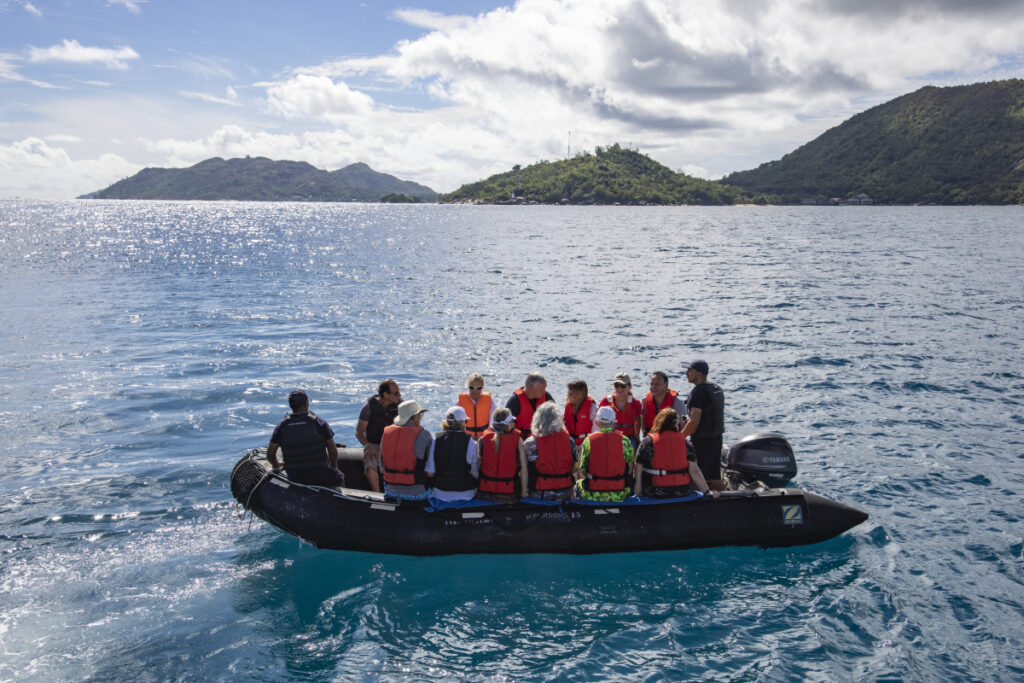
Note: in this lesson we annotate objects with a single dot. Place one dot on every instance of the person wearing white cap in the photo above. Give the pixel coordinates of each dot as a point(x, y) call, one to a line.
point(403, 453)
point(606, 462)
point(452, 462)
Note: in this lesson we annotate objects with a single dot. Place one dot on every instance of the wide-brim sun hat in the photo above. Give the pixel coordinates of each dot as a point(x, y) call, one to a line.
point(406, 409)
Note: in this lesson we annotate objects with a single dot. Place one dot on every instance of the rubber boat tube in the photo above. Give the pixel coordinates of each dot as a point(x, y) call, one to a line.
point(354, 519)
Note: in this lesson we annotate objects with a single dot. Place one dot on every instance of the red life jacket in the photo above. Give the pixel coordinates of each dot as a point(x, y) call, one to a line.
point(554, 461)
point(397, 455)
point(650, 412)
point(669, 461)
point(606, 464)
point(498, 470)
point(525, 417)
point(625, 419)
point(578, 421)
point(478, 414)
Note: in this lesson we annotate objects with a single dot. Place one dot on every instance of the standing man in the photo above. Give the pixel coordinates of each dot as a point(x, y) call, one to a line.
point(378, 413)
point(526, 399)
point(478, 406)
point(659, 398)
point(307, 444)
point(706, 423)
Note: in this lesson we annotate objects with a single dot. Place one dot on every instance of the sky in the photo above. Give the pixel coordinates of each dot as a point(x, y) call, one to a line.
point(446, 92)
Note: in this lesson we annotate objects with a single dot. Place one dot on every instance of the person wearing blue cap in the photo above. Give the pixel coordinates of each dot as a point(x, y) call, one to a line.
point(307, 444)
point(706, 423)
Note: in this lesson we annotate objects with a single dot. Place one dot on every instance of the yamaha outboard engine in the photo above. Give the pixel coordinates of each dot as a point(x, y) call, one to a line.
point(763, 460)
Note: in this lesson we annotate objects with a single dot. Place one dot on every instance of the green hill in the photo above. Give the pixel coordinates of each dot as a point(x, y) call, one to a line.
point(261, 179)
point(611, 175)
point(956, 145)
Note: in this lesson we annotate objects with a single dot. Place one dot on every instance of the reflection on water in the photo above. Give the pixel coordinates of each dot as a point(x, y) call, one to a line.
point(148, 344)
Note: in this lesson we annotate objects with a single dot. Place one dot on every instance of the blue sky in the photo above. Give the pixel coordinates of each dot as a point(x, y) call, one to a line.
point(446, 93)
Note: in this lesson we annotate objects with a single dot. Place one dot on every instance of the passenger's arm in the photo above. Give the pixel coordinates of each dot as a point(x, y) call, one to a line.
point(698, 480)
point(368, 448)
point(692, 422)
point(523, 473)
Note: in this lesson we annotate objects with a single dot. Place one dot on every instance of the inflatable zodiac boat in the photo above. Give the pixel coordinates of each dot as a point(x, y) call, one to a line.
point(757, 510)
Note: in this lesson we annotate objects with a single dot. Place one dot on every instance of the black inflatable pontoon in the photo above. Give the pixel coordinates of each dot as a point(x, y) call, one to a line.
point(355, 519)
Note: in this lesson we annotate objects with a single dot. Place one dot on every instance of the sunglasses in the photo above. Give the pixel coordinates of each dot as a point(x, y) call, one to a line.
point(475, 388)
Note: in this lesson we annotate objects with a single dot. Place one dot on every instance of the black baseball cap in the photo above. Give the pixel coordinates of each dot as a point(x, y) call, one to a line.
point(297, 398)
point(699, 365)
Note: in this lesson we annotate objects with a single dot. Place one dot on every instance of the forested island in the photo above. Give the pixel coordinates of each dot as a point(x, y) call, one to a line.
point(610, 175)
point(262, 179)
point(956, 145)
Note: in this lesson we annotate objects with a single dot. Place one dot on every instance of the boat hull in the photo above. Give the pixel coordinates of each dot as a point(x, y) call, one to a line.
point(359, 520)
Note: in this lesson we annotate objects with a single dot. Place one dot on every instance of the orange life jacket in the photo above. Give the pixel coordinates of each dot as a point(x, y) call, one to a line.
point(554, 461)
point(478, 414)
point(625, 419)
point(578, 421)
point(606, 464)
point(397, 454)
point(498, 469)
point(650, 412)
point(669, 465)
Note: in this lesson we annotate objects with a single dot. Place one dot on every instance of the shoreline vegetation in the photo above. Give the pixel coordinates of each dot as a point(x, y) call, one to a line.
point(960, 145)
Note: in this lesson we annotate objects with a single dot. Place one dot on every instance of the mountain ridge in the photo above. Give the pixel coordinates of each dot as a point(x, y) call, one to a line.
point(263, 179)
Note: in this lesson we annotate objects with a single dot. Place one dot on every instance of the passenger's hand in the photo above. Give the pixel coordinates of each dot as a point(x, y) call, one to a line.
point(714, 494)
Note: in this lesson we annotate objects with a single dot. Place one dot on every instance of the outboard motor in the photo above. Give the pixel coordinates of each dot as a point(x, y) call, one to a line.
point(757, 461)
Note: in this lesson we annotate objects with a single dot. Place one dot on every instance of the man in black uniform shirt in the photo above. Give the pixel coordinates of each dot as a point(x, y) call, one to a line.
point(706, 423)
point(307, 444)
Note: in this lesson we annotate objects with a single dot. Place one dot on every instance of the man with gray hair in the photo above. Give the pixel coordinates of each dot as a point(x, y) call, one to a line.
point(526, 399)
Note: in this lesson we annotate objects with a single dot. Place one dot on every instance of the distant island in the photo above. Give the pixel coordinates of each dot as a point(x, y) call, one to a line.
point(611, 175)
point(955, 145)
point(261, 179)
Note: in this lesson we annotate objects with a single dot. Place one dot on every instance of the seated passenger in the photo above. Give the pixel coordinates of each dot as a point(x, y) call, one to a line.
point(452, 463)
point(580, 411)
point(605, 462)
point(307, 444)
point(403, 453)
point(551, 454)
point(665, 468)
point(502, 460)
point(628, 410)
point(478, 404)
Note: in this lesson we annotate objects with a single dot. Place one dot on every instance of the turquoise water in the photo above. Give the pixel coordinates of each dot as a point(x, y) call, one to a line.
point(147, 345)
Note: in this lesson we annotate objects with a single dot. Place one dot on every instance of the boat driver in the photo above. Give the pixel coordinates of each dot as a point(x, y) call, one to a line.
point(307, 444)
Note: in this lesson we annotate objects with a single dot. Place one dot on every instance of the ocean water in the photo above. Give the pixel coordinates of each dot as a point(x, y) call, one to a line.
point(144, 346)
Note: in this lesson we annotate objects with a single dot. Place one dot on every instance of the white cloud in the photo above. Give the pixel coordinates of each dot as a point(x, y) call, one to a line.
point(130, 5)
point(31, 168)
point(317, 97)
point(31, 9)
point(63, 137)
point(9, 72)
point(231, 100)
point(74, 52)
